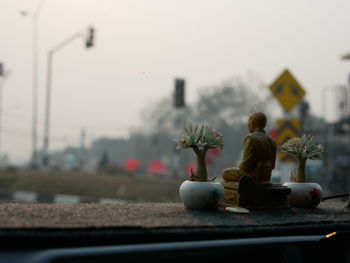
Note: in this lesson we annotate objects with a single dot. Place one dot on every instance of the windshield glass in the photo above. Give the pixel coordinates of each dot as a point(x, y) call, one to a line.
point(95, 95)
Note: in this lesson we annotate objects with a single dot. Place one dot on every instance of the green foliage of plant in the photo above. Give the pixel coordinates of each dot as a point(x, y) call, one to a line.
point(200, 136)
point(303, 147)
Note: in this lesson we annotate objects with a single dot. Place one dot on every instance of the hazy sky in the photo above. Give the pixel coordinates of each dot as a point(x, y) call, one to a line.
point(142, 45)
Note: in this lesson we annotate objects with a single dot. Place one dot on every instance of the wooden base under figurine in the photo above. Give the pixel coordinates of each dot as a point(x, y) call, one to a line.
point(246, 193)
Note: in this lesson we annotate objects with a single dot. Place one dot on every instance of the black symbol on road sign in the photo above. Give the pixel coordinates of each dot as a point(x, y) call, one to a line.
point(295, 90)
point(286, 130)
point(279, 88)
point(288, 125)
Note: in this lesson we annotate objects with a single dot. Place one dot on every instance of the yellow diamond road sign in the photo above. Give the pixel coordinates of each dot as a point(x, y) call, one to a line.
point(287, 90)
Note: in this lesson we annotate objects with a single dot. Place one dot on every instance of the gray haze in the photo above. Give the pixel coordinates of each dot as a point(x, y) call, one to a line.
point(142, 45)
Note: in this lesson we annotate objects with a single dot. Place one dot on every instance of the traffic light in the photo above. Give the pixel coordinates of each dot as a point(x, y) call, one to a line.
point(179, 94)
point(90, 40)
point(1, 69)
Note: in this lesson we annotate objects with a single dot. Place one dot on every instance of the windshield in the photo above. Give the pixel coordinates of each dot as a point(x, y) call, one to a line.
point(95, 95)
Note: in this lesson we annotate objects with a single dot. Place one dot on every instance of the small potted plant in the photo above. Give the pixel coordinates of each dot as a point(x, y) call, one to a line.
point(304, 194)
point(198, 193)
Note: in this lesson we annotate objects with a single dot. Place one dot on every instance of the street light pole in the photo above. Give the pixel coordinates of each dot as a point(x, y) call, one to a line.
point(48, 94)
point(35, 90)
point(35, 77)
point(47, 109)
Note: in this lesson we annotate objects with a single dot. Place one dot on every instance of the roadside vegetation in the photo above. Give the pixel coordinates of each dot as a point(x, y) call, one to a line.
point(118, 186)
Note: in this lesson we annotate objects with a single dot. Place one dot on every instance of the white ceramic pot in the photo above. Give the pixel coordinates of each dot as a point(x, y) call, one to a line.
point(201, 195)
point(307, 195)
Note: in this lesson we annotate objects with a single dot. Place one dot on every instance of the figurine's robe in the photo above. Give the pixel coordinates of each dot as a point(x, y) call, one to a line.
point(259, 157)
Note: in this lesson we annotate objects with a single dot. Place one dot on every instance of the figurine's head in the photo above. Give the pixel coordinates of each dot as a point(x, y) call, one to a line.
point(257, 121)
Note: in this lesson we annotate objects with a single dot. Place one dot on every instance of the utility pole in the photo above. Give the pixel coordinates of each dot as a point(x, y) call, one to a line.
point(82, 157)
point(347, 57)
point(89, 42)
point(3, 76)
point(2, 82)
point(35, 77)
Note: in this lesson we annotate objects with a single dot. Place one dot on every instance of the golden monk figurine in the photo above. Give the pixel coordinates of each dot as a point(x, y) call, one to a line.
point(259, 154)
